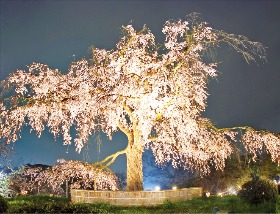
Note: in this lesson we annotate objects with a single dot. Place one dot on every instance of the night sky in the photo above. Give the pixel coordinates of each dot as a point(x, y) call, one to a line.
point(51, 32)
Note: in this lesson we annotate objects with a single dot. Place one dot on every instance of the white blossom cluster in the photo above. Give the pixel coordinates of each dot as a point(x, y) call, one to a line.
point(5, 191)
point(137, 88)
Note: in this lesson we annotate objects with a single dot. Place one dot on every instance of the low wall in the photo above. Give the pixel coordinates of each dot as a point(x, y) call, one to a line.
point(134, 198)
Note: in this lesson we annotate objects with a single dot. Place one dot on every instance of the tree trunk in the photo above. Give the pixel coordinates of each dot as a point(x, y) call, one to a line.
point(67, 190)
point(134, 150)
point(134, 180)
point(134, 164)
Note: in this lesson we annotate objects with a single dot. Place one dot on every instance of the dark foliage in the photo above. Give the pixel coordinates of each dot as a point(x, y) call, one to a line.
point(49, 204)
point(50, 207)
point(258, 191)
point(3, 205)
point(217, 180)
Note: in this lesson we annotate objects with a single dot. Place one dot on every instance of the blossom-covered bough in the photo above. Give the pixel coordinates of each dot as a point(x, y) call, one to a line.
point(154, 95)
point(63, 176)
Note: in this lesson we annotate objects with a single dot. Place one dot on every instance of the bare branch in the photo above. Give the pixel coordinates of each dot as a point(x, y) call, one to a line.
point(105, 163)
point(249, 50)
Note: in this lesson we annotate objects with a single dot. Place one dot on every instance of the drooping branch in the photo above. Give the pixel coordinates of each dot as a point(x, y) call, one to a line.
point(249, 50)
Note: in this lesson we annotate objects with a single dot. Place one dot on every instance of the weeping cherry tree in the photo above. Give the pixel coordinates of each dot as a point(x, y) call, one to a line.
point(154, 94)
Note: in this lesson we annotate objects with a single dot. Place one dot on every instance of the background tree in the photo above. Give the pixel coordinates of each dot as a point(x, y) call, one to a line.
point(265, 168)
point(217, 180)
point(238, 170)
point(154, 95)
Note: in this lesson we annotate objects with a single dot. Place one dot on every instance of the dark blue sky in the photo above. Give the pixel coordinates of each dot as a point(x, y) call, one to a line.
point(50, 32)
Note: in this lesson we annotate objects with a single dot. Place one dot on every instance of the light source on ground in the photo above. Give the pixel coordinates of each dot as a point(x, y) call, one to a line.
point(232, 191)
point(23, 192)
point(157, 188)
point(207, 194)
point(174, 188)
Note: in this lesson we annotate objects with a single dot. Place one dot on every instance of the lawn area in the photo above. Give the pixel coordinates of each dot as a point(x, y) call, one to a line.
point(226, 204)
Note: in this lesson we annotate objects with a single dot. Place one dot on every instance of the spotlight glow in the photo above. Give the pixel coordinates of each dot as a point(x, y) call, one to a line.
point(174, 188)
point(157, 188)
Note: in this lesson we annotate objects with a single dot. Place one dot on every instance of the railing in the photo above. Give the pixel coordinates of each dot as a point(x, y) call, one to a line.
point(135, 198)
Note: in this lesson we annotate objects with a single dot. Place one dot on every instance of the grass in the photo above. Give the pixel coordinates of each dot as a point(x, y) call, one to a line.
point(227, 204)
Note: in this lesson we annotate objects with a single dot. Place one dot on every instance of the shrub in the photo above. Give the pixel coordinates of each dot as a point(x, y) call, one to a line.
point(258, 191)
point(3, 205)
point(167, 205)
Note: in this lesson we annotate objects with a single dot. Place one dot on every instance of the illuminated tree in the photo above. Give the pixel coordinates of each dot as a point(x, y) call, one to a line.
point(63, 176)
point(154, 95)
point(76, 175)
point(21, 181)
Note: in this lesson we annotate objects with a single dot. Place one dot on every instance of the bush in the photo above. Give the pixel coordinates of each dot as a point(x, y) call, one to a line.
point(3, 205)
point(167, 205)
point(258, 191)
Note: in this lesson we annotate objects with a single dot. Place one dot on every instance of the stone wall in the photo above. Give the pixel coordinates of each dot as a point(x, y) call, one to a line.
point(135, 198)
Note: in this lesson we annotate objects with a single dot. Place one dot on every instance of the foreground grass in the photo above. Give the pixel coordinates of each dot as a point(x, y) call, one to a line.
point(227, 204)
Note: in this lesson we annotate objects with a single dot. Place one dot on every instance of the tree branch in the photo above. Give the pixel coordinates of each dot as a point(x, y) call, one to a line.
point(246, 128)
point(124, 129)
point(210, 125)
point(105, 163)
